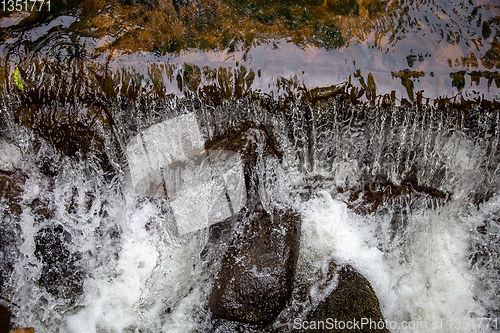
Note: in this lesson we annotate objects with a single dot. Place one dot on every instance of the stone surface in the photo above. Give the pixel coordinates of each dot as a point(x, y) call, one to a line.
point(353, 298)
point(336, 292)
point(60, 275)
point(226, 326)
point(24, 330)
point(4, 319)
point(11, 189)
point(378, 192)
point(256, 275)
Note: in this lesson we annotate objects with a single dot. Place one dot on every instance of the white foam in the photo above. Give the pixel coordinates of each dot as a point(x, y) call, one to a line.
point(111, 301)
point(426, 281)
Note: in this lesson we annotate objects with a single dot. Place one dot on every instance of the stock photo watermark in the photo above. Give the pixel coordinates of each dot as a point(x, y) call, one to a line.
point(24, 5)
point(420, 325)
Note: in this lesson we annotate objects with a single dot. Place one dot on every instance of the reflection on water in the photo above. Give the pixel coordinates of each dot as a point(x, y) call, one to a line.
point(437, 47)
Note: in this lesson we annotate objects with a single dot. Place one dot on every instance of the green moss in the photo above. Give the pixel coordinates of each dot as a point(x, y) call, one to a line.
point(18, 80)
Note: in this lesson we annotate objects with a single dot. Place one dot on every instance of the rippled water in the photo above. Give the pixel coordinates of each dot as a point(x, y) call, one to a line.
point(439, 48)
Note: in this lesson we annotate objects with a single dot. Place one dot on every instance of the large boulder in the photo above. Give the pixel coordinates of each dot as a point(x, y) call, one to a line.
point(353, 301)
point(256, 275)
point(338, 299)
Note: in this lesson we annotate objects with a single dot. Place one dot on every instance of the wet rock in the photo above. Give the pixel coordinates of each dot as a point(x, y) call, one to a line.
point(24, 330)
point(245, 140)
point(225, 326)
point(353, 299)
point(4, 319)
point(377, 193)
point(337, 295)
point(10, 237)
point(251, 142)
point(219, 237)
point(11, 189)
point(61, 276)
point(73, 127)
point(256, 275)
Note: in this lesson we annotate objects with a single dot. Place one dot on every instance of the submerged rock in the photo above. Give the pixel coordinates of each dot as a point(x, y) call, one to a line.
point(11, 189)
point(252, 143)
point(377, 193)
point(256, 275)
point(61, 276)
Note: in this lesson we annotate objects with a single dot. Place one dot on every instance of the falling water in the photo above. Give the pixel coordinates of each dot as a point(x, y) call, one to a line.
point(82, 252)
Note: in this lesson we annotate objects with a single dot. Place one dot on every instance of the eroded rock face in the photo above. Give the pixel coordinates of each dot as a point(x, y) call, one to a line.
point(256, 275)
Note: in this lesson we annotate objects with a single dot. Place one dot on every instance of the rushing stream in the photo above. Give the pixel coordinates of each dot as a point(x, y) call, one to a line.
point(384, 115)
point(84, 253)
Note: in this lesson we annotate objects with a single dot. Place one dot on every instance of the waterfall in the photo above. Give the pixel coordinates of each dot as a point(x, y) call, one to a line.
point(407, 196)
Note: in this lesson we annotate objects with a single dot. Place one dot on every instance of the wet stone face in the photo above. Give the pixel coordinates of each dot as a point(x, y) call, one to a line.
point(256, 275)
point(61, 276)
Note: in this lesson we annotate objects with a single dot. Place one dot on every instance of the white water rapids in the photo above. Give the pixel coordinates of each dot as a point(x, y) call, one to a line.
point(433, 263)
